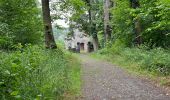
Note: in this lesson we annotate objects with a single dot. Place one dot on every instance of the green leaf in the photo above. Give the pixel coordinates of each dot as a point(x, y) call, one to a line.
point(14, 93)
point(1, 83)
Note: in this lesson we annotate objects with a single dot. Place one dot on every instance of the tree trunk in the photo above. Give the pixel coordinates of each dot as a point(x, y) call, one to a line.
point(95, 43)
point(138, 31)
point(93, 28)
point(107, 28)
point(94, 36)
point(137, 25)
point(49, 38)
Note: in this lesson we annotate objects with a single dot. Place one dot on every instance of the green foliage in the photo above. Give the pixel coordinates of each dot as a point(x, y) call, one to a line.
point(5, 36)
point(81, 16)
point(155, 60)
point(153, 15)
point(155, 21)
point(122, 22)
point(67, 7)
point(20, 22)
point(116, 48)
point(35, 73)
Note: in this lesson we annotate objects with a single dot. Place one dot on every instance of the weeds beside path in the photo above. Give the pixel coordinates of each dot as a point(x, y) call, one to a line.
point(104, 81)
point(35, 73)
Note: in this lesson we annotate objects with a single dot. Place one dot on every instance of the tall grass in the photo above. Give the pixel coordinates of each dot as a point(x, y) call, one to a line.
point(155, 60)
point(35, 73)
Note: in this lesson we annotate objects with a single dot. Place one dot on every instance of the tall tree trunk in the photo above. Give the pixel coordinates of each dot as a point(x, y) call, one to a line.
point(107, 28)
point(94, 36)
point(137, 25)
point(93, 28)
point(49, 38)
point(95, 42)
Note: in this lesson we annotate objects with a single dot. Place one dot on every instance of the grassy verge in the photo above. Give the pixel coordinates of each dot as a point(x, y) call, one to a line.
point(34, 73)
point(74, 64)
point(154, 64)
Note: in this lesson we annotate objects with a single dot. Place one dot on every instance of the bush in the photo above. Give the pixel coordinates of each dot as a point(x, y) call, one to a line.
point(20, 22)
point(157, 60)
point(34, 73)
point(153, 18)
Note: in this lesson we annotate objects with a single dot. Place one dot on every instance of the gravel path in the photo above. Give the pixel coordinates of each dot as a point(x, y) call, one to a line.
point(104, 81)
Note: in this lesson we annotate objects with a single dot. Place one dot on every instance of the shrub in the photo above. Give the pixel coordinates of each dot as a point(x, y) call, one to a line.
point(20, 22)
point(157, 60)
point(33, 73)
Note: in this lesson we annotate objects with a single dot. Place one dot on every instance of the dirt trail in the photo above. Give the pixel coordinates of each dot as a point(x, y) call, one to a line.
point(104, 81)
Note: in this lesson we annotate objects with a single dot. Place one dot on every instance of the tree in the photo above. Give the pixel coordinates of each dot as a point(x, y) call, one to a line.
point(107, 28)
point(83, 12)
point(49, 38)
point(137, 25)
point(20, 22)
point(155, 22)
point(92, 17)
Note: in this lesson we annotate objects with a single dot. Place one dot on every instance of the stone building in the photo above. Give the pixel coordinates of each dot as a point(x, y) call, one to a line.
point(80, 42)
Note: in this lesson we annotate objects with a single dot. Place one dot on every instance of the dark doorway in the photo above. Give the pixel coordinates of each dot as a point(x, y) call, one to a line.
point(78, 47)
point(81, 46)
point(90, 47)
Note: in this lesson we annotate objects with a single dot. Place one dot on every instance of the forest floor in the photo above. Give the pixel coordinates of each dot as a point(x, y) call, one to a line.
point(102, 80)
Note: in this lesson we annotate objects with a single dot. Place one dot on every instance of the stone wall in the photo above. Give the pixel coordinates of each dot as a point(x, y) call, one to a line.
point(79, 37)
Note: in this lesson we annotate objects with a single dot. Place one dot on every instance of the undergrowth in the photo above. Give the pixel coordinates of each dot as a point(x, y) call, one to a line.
point(153, 61)
point(34, 73)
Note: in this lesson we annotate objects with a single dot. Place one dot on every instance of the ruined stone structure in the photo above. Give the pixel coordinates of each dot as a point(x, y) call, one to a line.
point(80, 42)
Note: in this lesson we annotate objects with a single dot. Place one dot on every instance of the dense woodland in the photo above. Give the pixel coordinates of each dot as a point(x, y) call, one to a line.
point(34, 66)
